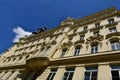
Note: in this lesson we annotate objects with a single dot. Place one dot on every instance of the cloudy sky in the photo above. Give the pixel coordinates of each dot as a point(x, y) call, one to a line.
point(21, 17)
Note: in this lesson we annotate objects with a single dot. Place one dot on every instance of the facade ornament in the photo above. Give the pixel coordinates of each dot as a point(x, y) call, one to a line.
point(92, 39)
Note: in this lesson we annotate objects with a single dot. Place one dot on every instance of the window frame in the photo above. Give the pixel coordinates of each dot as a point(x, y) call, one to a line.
point(94, 48)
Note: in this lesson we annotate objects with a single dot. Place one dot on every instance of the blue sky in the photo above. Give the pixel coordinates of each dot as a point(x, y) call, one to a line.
point(29, 15)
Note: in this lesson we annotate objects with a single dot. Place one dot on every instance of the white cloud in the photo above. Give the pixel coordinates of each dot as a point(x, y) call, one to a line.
point(20, 32)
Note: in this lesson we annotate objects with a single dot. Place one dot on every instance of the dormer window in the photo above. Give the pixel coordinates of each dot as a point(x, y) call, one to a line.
point(111, 21)
point(97, 24)
point(85, 28)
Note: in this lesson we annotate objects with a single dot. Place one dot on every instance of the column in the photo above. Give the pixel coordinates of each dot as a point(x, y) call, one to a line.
point(104, 72)
point(59, 74)
point(14, 75)
point(79, 73)
point(6, 75)
point(1, 74)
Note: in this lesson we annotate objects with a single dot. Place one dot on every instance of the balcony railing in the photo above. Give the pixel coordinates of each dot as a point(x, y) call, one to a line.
point(112, 34)
point(96, 28)
point(79, 41)
point(95, 38)
point(113, 24)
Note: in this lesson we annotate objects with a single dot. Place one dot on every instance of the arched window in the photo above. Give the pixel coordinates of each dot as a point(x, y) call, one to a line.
point(94, 48)
point(63, 52)
point(77, 51)
point(115, 45)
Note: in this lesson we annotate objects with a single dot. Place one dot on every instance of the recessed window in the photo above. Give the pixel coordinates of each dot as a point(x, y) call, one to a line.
point(97, 24)
point(115, 45)
point(94, 48)
point(111, 21)
point(51, 74)
point(115, 71)
point(113, 30)
point(63, 52)
point(68, 74)
point(82, 37)
point(96, 33)
point(77, 51)
point(85, 28)
point(91, 73)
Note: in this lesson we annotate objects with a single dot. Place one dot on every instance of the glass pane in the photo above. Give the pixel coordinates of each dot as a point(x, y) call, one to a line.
point(48, 78)
point(70, 76)
point(94, 74)
point(65, 76)
point(87, 74)
point(52, 76)
point(115, 75)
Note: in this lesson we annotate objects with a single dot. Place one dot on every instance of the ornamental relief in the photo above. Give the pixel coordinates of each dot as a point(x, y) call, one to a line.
point(93, 39)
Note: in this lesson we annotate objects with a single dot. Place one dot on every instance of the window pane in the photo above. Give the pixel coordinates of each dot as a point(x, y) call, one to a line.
point(65, 76)
point(48, 78)
point(87, 74)
point(115, 75)
point(70, 76)
point(94, 74)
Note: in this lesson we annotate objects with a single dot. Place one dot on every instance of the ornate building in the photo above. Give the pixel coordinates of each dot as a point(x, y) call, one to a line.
point(78, 49)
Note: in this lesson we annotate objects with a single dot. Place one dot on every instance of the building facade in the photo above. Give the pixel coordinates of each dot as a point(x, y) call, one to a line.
point(78, 49)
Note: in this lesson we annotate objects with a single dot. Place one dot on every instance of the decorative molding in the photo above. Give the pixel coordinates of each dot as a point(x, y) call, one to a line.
point(112, 35)
point(92, 39)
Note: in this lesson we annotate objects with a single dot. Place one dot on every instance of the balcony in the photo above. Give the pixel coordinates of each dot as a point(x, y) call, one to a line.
point(38, 62)
point(79, 41)
point(95, 38)
point(96, 28)
point(69, 43)
point(83, 32)
point(113, 24)
point(110, 35)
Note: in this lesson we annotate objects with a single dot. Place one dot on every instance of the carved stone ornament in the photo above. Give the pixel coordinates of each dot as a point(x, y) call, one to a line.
point(92, 39)
point(68, 21)
point(79, 41)
point(67, 44)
